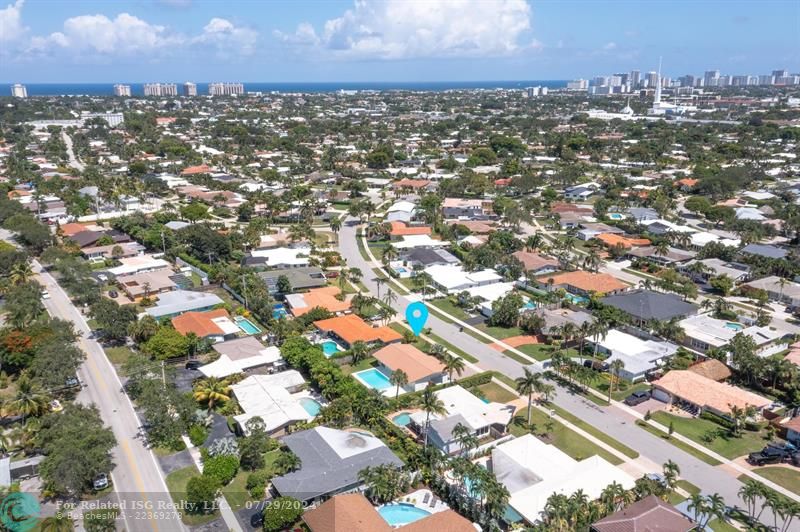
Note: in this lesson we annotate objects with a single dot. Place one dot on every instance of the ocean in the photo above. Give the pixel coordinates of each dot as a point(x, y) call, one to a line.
point(106, 89)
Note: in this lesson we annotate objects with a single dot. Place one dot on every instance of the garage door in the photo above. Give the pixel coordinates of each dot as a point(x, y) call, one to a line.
point(661, 395)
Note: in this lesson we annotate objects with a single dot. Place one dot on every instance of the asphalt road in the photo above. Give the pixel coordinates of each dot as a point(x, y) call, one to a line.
point(73, 161)
point(611, 420)
point(137, 477)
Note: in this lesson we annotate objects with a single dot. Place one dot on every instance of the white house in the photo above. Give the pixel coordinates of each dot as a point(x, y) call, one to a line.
point(639, 356)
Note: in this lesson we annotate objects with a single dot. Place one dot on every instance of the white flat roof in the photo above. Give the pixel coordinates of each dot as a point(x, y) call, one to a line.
point(292, 256)
point(224, 366)
point(478, 414)
point(267, 396)
point(418, 241)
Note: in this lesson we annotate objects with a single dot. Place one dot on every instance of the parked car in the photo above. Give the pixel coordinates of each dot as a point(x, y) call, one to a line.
point(193, 364)
point(72, 382)
point(637, 398)
point(100, 482)
point(257, 519)
point(45, 294)
point(775, 454)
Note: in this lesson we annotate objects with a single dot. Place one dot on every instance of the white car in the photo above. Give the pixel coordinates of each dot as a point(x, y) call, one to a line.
point(45, 294)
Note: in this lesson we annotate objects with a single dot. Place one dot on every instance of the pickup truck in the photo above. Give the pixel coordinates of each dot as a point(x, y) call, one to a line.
point(773, 454)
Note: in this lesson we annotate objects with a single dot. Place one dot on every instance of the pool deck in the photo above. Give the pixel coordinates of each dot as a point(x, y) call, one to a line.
point(417, 499)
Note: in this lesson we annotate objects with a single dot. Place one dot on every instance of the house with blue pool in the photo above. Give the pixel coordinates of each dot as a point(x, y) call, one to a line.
point(331, 460)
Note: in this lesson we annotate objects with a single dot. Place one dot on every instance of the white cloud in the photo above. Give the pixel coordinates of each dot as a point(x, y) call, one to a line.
point(223, 35)
point(11, 27)
point(125, 34)
point(401, 29)
point(610, 46)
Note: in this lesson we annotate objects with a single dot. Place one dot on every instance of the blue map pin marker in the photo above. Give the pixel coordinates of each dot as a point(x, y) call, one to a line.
point(417, 315)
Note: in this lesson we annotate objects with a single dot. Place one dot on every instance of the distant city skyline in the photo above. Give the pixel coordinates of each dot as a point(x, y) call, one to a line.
point(175, 41)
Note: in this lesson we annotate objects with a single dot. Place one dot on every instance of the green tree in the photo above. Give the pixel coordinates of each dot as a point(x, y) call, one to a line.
point(430, 404)
point(529, 384)
point(201, 494)
point(194, 211)
point(505, 311)
point(112, 318)
point(399, 379)
point(77, 431)
point(281, 513)
point(167, 343)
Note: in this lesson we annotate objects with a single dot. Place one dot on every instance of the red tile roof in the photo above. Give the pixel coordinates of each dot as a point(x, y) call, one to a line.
point(352, 329)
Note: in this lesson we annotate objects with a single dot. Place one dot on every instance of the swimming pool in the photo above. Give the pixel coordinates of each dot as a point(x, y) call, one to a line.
point(278, 312)
point(734, 326)
point(246, 325)
point(310, 405)
point(401, 420)
point(615, 216)
point(402, 513)
point(530, 305)
point(373, 378)
point(330, 348)
point(400, 269)
point(575, 300)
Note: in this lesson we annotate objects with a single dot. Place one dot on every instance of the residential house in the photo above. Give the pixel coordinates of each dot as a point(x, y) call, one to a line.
point(300, 278)
point(147, 284)
point(324, 297)
point(90, 238)
point(703, 332)
point(420, 368)
point(484, 420)
point(640, 356)
point(532, 471)
point(215, 325)
point(672, 257)
point(331, 460)
point(580, 192)
point(470, 209)
point(112, 251)
point(777, 289)
point(765, 251)
point(426, 257)
point(283, 257)
point(401, 211)
point(792, 427)
point(701, 393)
point(278, 399)
point(583, 283)
point(611, 240)
point(241, 355)
point(646, 305)
point(536, 264)
point(452, 278)
point(648, 514)
point(402, 229)
point(735, 271)
point(589, 231)
point(711, 368)
point(351, 329)
point(177, 302)
point(138, 264)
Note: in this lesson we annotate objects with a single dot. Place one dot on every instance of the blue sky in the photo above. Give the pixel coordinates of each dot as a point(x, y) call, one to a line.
point(389, 40)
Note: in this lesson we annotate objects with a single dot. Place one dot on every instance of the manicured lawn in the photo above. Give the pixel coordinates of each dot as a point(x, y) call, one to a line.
point(597, 433)
point(118, 355)
point(542, 352)
point(446, 305)
point(566, 440)
point(176, 482)
point(620, 390)
point(687, 486)
point(679, 444)
point(500, 332)
point(718, 525)
point(494, 392)
point(236, 493)
point(697, 429)
point(783, 476)
point(364, 364)
point(451, 347)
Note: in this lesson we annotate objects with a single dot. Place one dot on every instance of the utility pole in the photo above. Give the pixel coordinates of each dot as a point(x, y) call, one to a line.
point(163, 243)
point(163, 375)
point(244, 290)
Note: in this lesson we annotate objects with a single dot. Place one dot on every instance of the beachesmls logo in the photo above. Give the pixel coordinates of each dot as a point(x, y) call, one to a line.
point(19, 512)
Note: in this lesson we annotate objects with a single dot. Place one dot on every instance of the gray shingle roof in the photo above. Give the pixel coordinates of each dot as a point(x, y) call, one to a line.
point(649, 305)
point(323, 470)
point(763, 250)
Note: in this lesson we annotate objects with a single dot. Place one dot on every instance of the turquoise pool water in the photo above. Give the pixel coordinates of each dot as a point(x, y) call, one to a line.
point(734, 326)
point(278, 312)
point(310, 406)
point(402, 514)
point(615, 216)
point(329, 348)
point(246, 325)
point(529, 305)
point(575, 300)
point(374, 379)
point(401, 420)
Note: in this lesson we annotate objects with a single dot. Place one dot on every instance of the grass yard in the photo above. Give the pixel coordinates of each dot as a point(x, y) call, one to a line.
point(451, 347)
point(118, 355)
point(176, 482)
point(364, 364)
point(718, 525)
point(494, 392)
point(445, 305)
point(597, 433)
point(500, 332)
point(786, 477)
point(236, 492)
point(620, 391)
point(679, 444)
point(697, 429)
point(563, 438)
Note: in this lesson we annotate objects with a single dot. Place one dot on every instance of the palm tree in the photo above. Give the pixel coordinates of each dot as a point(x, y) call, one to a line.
point(584, 330)
point(358, 351)
point(529, 384)
point(616, 366)
point(379, 281)
point(389, 297)
point(399, 378)
point(430, 404)
point(30, 399)
point(453, 364)
point(389, 254)
point(600, 330)
point(20, 273)
point(465, 438)
point(534, 242)
point(671, 472)
point(697, 505)
point(212, 391)
point(336, 224)
point(61, 522)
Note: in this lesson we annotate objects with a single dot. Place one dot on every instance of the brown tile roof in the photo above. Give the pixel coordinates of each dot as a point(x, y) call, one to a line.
point(411, 183)
point(600, 283)
point(416, 364)
point(534, 261)
point(611, 240)
point(72, 228)
point(792, 424)
point(650, 514)
point(352, 329)
point(705, 392)
point(401, 229)
point(712, 369)
point(351, 512)
point(447, 521)
point(191, 170)
point(324, 297)
point(476, 226)
point(200, 323)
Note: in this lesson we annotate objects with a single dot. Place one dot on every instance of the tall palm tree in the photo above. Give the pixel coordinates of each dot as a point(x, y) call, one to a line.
point(336, 224)
point(529, 384)
point(453, 364)
point(671, 472)
point(465, 438)
point(534, 242)
point(430, 404)
point(379, 281)
point(61, 522)
point(697, 505)
point(358, 351)
point(616, 366)
point(20, 273)
point(212, 391)
point(399, 378)
point(30, 399)
point(584, 330)
point(600, 330)
point(389, 297)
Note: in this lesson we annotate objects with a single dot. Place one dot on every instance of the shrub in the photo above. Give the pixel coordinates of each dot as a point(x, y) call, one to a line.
point(224, 446)
point(257, 483)
point(222, 468)
point(281, 513)
point(197, 435)
point(201, 492)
